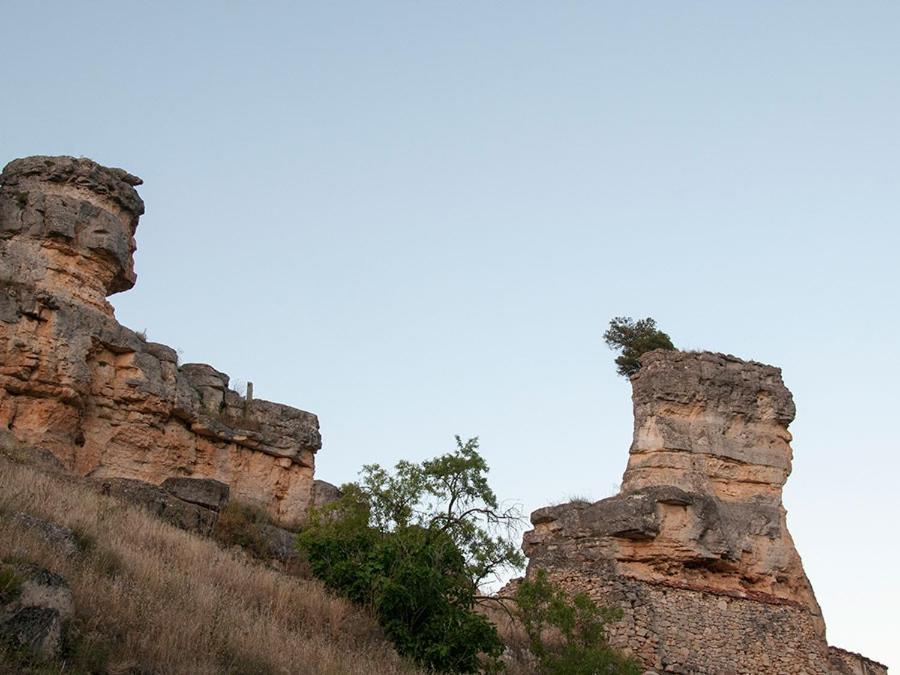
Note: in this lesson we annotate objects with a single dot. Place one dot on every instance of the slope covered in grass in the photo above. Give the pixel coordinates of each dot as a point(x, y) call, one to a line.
point(150, 598)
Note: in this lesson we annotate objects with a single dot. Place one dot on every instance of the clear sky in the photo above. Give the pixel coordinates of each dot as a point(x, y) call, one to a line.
point(416, 218)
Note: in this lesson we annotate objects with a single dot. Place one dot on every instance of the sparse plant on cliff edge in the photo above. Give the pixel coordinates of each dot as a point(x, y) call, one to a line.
point(567, 634)
point(414, 545)
point(634, 338)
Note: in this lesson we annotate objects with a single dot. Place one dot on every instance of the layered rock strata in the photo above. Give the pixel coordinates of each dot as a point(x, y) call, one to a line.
point(695, 547)
point(104, 400)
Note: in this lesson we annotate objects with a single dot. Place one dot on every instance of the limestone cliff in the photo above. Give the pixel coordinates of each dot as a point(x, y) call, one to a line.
point(695, 547)
point(103, 399)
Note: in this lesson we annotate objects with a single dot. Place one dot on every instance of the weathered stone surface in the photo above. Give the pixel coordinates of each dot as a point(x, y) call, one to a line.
point(99, 396)
point(34, 618)
point(695, 547)
point(205, 492)
point(851, 663)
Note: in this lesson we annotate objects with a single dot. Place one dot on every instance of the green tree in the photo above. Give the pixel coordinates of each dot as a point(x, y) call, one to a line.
point(567, 634)
point(634, 338)
point(415, 544)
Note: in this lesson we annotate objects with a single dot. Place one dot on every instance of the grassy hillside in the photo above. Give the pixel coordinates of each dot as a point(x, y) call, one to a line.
point(150, 598)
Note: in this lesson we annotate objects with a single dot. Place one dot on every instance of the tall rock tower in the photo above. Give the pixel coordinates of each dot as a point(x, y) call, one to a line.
point(695, 547)
point(99, 396)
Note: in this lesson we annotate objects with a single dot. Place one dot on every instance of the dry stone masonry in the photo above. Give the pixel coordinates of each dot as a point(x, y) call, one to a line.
point(695, 547)
point(105, 401)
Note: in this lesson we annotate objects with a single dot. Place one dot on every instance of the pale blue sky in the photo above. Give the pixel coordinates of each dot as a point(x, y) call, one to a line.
point(415, 219)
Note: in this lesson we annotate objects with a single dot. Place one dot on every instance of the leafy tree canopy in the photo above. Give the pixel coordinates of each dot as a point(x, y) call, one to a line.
point(634, 338)
point(415, 544)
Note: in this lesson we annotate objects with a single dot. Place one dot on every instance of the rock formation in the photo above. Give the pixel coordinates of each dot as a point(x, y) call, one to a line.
point(105, 401)
point(695, 547)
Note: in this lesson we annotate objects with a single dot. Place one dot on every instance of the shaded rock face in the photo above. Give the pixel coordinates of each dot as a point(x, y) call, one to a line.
point(695, 547)
point(106, 402)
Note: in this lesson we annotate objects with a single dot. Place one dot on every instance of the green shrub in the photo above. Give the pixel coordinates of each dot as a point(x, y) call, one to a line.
point(634, 338)
point(567, 634)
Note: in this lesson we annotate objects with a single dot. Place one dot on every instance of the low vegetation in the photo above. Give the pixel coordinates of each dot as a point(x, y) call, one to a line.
point(577, 628)
point(242, 525)
point(150, 598)
point(10, 584)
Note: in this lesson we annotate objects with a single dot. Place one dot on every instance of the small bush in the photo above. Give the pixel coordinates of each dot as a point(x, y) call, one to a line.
point(102, 558)
point(242, 525)
point(634, 338)
point(10, 584)
point(85, 649)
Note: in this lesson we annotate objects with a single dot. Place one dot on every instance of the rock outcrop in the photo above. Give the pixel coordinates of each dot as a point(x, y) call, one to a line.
point(35, 605)
point(174, 505)
point(105, 401)
point(695, 547)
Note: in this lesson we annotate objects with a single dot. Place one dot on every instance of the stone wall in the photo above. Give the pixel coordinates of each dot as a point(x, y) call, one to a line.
point(107, 402)
point(851, 663)
point(695, 548)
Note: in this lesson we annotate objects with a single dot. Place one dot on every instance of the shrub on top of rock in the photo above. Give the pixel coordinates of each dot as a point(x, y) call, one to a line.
point(634, 338)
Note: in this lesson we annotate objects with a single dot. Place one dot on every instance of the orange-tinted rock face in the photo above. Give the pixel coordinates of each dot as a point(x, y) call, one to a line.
point(104, 400)
point(695, 547)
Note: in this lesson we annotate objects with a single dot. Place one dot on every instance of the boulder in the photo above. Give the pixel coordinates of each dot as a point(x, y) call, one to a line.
point(35, 615)
point(205, 492)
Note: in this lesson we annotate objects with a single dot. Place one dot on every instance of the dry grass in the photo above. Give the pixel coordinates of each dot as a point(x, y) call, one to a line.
point(153, 599)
